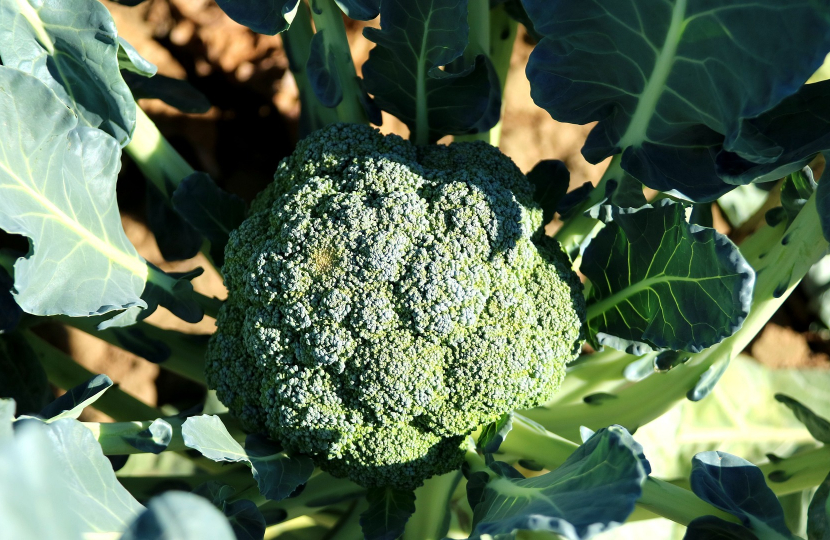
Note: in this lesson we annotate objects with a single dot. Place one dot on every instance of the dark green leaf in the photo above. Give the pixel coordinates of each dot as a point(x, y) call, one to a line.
point(210, 210)
point(58, 188)
point(415, 40)
point(34, 500)
point(72, 46)
point(818, 513)
point(671, 82)
point(657, 280)
point(796, 189)
point(668, 360)
point(179, 516)
point(176, 238)
point(737, 486)
point(129, 59)
point(818, 427)
point(714, 528)
point(593, 491)
point(800, 125)
point(278, 475)
point(323, 71)
point(263, 16)
point(551, 178)
point(154, 439)
point(389, 510)
point(22, 377)
point(74, 401)
point(208, 435)
point(707, 381)
point(360, 10)
point(494, 434)
point(823, 206)
point(10, 312)
point(97, 497)
point(175, 92)
point(245, 519)
point(573, 199)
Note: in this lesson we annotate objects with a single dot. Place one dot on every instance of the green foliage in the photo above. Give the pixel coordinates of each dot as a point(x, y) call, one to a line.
point(659, 282)
point(387, 294)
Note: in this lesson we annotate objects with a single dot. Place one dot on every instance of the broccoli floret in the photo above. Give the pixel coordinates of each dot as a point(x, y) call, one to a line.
point(387, 299)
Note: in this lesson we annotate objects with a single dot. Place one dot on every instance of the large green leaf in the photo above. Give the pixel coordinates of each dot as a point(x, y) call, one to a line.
point(72, 46)
point(57, 186)
point(593, 491)
point(33, 498)
point(672, 81)
point(658, 281)
point(389, 510)
point(737, 486)
point(415, 71)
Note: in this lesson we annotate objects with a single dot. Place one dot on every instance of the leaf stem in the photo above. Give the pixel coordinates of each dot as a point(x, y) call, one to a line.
point(432, 506)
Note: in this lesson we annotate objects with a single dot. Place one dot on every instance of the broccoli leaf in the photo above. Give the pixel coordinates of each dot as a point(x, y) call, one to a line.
point(494, 434)
point(818, 513)
point(278, 475)
point(416, 39)
point(361, 10)
point(593, 491)
point(179, 516)
point(208, 435)
point(389, 510)
point(671, 82)
point(656, 279)
point(323, 71)
point(245, 518)
point(130, 60)
point(176, 238)
point(73, 402)
point(29, 472)
point(818, 427)
point(263, 16)
point(551, 178)
point(98, 498)
point(210, 210)
point(57, 181)
point(22, 377)
point(800, 125)
point(737, 486)
point(823, 207)
point(73, 47)
point(155, 439)
point(175, 92)
point(715, 528)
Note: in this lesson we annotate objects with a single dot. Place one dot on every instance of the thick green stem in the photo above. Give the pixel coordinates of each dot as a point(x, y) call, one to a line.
point(501, 31)
point(296, 40)
point(183, 354)
point(601, 371)
point(432, 507)
point(328, 19)
point(801, 246)
point(65, 373)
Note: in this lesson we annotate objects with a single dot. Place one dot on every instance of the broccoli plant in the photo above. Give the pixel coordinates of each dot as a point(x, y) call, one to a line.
point(407, 348)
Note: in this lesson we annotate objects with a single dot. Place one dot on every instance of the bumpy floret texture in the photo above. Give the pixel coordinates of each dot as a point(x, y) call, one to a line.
point(387, 299)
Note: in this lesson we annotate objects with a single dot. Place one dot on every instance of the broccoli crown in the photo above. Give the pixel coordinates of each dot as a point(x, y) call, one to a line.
point(387, 299)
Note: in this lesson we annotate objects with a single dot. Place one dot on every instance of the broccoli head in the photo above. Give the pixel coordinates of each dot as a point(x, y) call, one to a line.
point(386, 299)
